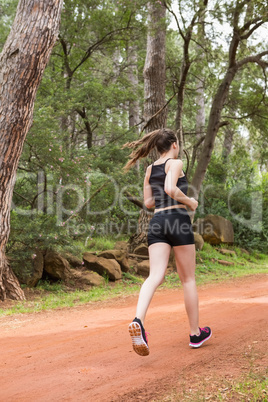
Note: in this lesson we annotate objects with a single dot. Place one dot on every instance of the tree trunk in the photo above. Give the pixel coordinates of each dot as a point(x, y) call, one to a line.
point(180, 97)
point(200, 88)
point(185, 67)
point(22, 63)
point(227, 148)
point(83, 114)
point(239, 34)
point(212, 130)
point(133, 107)
point(200, 115)
point(154, 93)
point(228, 143)
point(155, 68)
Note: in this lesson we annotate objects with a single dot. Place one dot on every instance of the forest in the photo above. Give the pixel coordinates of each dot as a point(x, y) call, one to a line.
point(120, 69)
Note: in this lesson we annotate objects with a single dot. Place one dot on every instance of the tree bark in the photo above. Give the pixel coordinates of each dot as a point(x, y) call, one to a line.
point(133, 107)
point(228, 143)
point(155, 68)
point(200, 87)
point(83, 114)
point(22, 63)
point(133, 104)
point(212, 130)
point(154, 93)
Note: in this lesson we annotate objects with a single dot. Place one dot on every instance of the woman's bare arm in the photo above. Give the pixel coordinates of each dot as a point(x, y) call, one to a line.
point(147, 190)
point(174, 172)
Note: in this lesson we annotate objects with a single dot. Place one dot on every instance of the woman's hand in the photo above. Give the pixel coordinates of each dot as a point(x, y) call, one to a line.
point(193, 204)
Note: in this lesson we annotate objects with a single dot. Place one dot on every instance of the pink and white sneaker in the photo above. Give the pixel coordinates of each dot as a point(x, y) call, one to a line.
point(197, 340)
point(138, 337)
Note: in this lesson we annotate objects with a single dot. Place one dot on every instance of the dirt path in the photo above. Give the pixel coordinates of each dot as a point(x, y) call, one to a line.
point(85, 353)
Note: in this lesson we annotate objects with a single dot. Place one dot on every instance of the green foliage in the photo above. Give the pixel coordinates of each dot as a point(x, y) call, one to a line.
point(70, 186)
point(7, 14)
point(32, 233)
point(238, 191)
point(129, 279)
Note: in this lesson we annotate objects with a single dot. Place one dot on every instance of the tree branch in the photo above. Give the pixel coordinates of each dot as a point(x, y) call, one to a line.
point(254, 59)
point(137, 202)
point(21, 196)
point(176, 19)
point(224, 123)
point(85, 203)
point(247, 35)
point(96, 45)
point(65, 52)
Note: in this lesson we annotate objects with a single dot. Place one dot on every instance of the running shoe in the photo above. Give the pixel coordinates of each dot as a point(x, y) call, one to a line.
point(197, 340)
point(139, 337)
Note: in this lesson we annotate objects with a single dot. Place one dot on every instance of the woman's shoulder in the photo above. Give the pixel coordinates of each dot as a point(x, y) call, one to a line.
point(175, 163)
point(148, 171)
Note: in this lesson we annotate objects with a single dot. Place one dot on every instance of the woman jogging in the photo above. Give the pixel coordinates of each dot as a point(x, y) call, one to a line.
point(165, 189)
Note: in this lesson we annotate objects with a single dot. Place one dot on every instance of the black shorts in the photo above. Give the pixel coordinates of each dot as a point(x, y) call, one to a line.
point(172, 226)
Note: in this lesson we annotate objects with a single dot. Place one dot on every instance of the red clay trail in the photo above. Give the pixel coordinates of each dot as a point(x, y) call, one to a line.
point(85, 353)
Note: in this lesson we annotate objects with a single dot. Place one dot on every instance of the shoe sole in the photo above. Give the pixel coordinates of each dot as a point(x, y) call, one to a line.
point(197, 345)
point(138, 343)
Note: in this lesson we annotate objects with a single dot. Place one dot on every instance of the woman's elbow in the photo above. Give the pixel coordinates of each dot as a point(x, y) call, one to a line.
point(149, 203)
point(170, 191)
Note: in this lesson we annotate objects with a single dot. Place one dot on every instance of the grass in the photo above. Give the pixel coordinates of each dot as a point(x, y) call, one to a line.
point(251, 387)
point(98, 243)
point(209, 270)
point(48, 296)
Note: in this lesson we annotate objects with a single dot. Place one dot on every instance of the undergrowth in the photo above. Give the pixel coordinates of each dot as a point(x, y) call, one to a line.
point(56, 295)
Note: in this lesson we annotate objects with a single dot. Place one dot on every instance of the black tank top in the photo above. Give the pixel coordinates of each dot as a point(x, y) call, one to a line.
point(157, 182)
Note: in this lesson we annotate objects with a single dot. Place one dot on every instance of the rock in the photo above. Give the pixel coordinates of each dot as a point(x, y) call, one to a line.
point(142, 249)
point(198, 241)
point(56, 266)
point(143, 268)
point(132, 264)
point(227, 263)
point(119, 255)
point(121, 245)
point(72, 260)
point(89, 278)
point(38, 267)
point(103, 266)
point(215, 229)
point(92, 252)
point(225, 251)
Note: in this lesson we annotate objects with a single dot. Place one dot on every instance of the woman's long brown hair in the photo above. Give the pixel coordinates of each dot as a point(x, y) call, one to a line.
point(162, 139)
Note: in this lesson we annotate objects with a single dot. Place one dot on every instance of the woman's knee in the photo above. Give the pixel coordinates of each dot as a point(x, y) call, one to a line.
point(156, 280)
point(187, 280)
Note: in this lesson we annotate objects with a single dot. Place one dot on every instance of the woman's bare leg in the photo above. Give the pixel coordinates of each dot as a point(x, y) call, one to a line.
point(159, 256)
point(185, 262)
